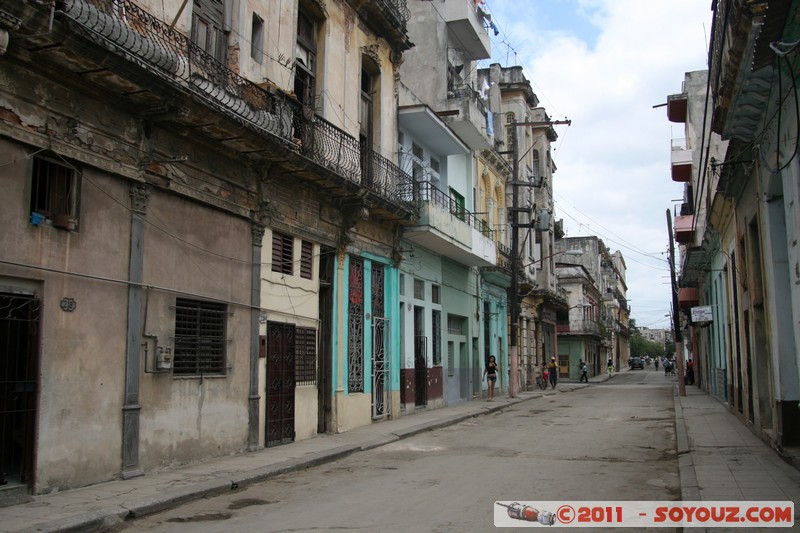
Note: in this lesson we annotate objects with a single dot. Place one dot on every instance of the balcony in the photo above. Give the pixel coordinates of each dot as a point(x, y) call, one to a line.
point(448, 229)
point(122, 50)
point(388, 18)
point(579, 326)
point(466, 115)
point(687, 297)
point(500, 274)
point(684, 229)
point(681, 159)
point(466, 25)
point(677, 107)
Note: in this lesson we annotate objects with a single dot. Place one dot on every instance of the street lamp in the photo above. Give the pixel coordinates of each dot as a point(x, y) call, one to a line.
point(513, 382)
point(572, 252)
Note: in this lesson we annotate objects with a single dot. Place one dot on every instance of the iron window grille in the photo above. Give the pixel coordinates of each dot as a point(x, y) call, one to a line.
point(305, 350)
point(199, 338)
point(306, 260)
point(436, 320)
point(282, 253)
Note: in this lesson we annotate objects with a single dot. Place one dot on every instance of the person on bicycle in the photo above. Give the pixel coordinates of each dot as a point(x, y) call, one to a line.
point(552, 370)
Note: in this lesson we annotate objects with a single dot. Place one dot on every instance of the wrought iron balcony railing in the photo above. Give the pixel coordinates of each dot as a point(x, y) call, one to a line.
point(466, 92)
point(398, 9)
point(427, 192)
point(124, 28)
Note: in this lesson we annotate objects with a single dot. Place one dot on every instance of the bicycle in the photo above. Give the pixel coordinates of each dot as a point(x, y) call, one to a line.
point(541, 382)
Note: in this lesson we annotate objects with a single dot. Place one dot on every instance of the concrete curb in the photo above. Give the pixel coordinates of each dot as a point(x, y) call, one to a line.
point(690, 490)
point(93, 521)
point(106, 518)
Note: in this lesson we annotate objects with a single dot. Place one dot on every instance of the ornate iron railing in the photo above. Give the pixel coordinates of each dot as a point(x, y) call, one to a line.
point(398, 9)
point(386, 179)
point(427, 192)
point(321, 141)
point(124, 28)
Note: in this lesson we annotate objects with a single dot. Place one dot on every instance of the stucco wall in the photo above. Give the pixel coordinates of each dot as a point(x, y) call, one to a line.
point(81, 353)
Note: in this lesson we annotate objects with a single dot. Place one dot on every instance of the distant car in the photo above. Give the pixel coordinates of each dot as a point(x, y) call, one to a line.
point(636, 362)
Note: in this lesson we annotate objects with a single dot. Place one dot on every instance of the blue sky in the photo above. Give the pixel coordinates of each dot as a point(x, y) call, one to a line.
point(604, 64)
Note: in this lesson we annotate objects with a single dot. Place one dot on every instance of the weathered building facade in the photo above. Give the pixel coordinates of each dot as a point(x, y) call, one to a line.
point(443, 121)
point(196, 209)
point(738, 227)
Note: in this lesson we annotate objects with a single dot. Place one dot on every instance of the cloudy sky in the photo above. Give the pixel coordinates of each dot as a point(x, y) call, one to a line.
point(604, 64)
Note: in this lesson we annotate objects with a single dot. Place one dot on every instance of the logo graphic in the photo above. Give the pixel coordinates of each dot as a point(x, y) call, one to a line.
point(518, 511)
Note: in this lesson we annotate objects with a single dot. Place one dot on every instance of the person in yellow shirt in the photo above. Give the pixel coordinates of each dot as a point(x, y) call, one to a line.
point(552, 369)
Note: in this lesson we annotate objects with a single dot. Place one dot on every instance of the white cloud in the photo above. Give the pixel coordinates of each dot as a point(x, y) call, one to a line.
point(604, 64)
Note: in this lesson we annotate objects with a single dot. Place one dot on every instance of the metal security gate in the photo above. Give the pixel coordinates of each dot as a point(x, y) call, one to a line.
point(381, 402)
point(280, 383)
point(19, 331)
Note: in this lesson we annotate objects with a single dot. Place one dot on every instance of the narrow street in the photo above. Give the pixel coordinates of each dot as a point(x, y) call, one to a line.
point(606, 441)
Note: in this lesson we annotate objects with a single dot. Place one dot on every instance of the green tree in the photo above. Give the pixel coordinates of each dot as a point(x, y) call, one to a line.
point(641, 347)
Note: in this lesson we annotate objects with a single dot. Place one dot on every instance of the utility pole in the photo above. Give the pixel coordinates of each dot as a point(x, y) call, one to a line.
point(676, 320)
point(513, 291)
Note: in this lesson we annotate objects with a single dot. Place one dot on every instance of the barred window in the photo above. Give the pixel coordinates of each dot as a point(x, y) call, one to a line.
point(305, 349)
point(437, 338)
point(54, 193)
point(282, 253)
point(306, 260)
point(199, 338)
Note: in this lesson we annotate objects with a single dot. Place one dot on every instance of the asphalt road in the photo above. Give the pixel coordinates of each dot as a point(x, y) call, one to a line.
point(607, 441)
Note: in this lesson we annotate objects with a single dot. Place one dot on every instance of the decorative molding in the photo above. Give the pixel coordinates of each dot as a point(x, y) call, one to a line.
point(372, 52)
point(258, 233)
point(140, 194)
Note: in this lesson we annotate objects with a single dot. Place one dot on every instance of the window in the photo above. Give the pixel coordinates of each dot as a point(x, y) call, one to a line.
point(457, 205)
point(436, 294)
point(451, 359)
point(417, 170)
point(435, 165)
point(306, 59)
point(305, 350)
point(436, 323)
point(455, 324)
point(257, 39)
point(208, 18)
point(419, 289)
point(282, 253)
point(54, 193)
point(199, 338)
point(306, 259)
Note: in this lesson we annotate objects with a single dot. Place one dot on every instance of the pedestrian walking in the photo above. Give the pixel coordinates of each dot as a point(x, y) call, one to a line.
point(583, 370)
point(490, 374)
point(610, 366)
point(656, 363)
point(552, 368)
point(689, 372)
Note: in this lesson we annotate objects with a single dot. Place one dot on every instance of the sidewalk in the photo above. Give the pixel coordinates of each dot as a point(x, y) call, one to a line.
point(92, 508)
point(719, 459)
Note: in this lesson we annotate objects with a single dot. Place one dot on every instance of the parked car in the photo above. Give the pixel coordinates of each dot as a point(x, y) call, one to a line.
point(636, 362)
